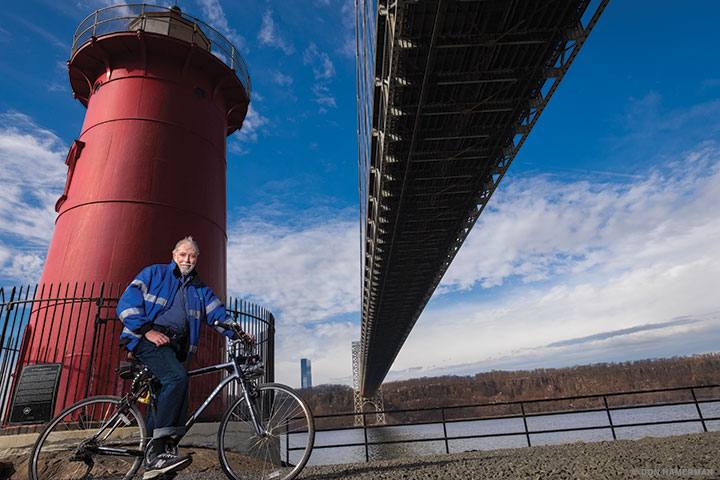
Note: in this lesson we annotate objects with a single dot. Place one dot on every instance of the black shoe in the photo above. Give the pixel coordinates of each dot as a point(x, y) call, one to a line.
point(161, 458)
point(166, 463)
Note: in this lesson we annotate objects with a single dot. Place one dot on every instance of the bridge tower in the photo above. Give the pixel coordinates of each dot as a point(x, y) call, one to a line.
point(376, 400)
point(163, 90)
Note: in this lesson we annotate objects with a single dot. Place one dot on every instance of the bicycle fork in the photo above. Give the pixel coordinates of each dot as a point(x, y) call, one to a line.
point(252, 407)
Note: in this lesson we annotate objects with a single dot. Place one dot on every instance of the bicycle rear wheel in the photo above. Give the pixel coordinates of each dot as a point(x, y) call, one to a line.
point(279, 454)
point(66, 449)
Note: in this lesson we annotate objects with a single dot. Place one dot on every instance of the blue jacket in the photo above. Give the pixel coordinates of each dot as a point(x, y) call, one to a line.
point(151, 293)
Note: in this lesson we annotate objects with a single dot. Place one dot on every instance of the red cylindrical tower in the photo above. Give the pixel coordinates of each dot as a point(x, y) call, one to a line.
point(162, 91)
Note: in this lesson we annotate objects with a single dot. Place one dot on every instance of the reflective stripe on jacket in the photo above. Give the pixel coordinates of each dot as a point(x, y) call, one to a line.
point(150, 293)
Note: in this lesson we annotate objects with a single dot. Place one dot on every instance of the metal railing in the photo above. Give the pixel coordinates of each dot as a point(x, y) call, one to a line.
point(165, 20)
point(525, 410)
point(76, 326)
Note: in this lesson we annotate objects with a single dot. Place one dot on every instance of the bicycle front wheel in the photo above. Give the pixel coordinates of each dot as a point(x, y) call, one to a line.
point(74, 445)
point(281, 450)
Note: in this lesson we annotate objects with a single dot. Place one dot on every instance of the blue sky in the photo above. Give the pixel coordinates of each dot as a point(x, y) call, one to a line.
point(599, 245)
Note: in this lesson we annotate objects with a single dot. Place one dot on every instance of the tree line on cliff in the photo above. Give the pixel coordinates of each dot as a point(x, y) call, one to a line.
point(500, 386)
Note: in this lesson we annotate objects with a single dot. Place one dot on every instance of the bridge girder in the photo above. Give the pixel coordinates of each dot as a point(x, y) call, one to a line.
point(453, 90)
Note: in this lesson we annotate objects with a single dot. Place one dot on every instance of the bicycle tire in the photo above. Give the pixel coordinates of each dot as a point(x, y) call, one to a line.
point(281, 454)
point(59, 454)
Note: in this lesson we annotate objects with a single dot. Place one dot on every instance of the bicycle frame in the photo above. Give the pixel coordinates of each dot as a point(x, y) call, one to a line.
point(237, 374)
point(270, 438)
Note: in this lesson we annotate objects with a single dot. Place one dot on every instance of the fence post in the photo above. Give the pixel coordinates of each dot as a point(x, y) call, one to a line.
point(287, 442)
point(697, 406)
point(91, 361)
point(367, 453)
point(6, 354)
point(607, 410)
point(447, 446)
point(527, 432)
point(9, 307)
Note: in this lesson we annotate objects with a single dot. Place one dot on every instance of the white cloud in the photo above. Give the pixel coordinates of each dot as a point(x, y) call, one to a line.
point(700, 335)
point(57, 87)
point(214, 15)
point(25, 268)
point(322, 66)
point(328, 345)
point(308, 275)
point(31, 180)
point(323, 72)
point(282, 80)
point(538, 227)
point(5, 255)
point(305, 274)
point(594, 258)
point(323, 96)
point(269, 35)
point(347, 13)
point(252, 124)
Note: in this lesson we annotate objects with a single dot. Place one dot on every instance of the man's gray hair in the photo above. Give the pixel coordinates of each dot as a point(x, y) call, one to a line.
point(187, 240)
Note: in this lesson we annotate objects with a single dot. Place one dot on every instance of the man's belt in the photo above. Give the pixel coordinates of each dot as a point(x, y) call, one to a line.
point(178, 341)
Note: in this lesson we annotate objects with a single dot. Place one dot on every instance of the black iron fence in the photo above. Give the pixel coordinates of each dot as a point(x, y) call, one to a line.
point(456, 427)
point(72, 332)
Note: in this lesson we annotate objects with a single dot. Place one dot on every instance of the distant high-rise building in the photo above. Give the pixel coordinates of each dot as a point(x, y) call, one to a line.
point(305, 373)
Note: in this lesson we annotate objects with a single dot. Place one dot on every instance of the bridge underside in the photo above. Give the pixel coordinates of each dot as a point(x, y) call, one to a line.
point(456, 87)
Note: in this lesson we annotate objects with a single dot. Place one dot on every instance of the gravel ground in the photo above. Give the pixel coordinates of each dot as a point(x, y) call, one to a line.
point(693, 456)
point(681, 457)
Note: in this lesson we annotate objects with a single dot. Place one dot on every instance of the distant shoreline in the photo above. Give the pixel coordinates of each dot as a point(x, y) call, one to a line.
point(498, 387)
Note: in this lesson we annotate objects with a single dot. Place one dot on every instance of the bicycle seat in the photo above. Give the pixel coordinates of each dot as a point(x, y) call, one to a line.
point(130, 368)
point(136, 371)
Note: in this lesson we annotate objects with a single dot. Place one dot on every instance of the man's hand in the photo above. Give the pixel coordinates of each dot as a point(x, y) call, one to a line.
point(248, 339)
point(157, 338)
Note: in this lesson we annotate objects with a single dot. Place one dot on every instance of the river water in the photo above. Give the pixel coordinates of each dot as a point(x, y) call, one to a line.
point(515, 430)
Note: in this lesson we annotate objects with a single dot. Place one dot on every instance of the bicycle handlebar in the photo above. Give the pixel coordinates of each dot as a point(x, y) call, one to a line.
point(239, 334)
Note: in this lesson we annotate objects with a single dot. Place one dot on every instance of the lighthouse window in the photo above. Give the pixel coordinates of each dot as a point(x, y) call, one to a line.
point(199, 92)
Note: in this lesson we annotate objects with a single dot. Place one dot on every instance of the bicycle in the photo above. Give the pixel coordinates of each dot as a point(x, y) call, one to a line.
point(267, 433)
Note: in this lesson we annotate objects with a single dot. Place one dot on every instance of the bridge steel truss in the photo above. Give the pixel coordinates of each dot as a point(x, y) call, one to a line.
point(448, 91)
point(376, 400)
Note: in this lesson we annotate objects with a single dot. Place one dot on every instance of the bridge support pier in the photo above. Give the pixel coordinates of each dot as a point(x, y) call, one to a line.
point(359, 400)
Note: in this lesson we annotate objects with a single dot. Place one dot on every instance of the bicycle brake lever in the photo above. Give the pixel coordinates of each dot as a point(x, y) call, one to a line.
point(235, 327)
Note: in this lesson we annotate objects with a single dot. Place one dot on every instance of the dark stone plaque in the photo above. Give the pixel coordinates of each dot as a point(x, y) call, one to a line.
point(34, 398)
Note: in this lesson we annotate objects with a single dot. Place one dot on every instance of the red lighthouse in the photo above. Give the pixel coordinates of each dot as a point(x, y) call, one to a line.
point(163, 91)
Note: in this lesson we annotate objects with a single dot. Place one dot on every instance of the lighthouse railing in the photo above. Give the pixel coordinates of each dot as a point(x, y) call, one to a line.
point(168, 21)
